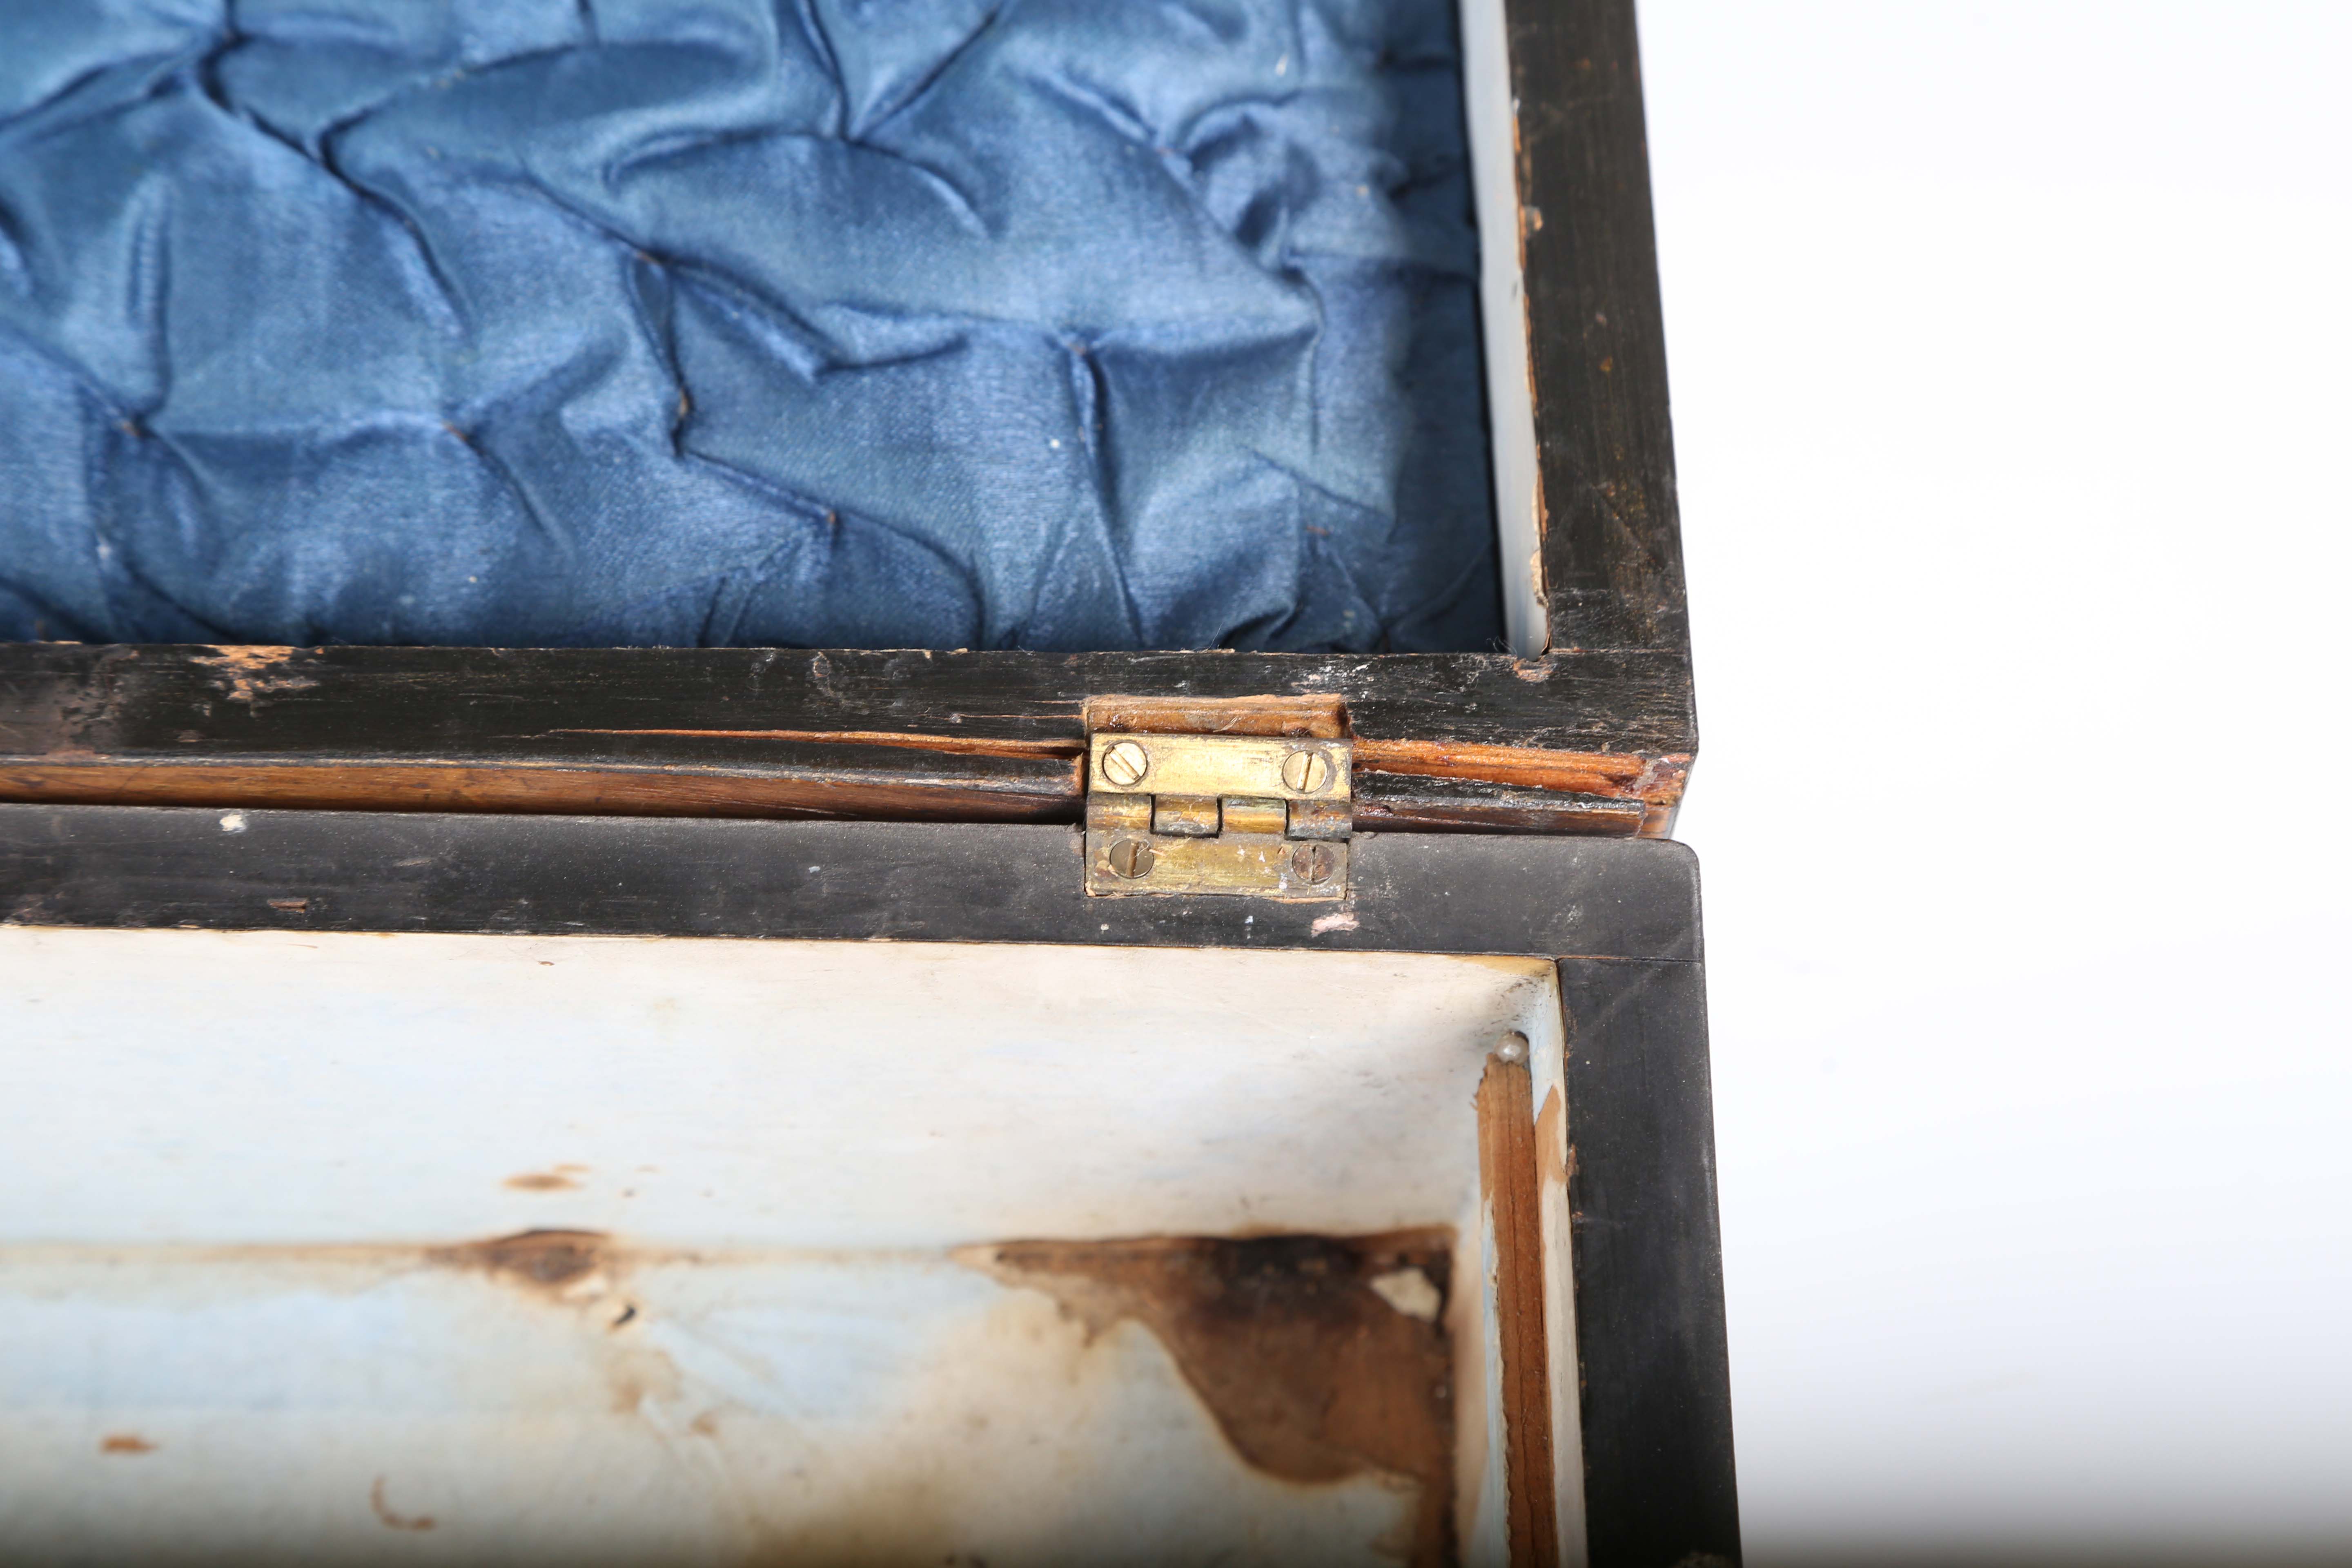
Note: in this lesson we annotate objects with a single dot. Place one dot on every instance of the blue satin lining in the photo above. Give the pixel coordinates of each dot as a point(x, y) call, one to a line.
point(1091, 324)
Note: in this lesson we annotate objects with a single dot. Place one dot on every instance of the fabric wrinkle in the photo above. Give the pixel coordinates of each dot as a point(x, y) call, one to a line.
point(1029, 323)
point(861, 129)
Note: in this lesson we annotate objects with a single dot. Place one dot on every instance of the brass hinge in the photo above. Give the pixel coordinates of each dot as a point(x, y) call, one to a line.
point(1218, 814)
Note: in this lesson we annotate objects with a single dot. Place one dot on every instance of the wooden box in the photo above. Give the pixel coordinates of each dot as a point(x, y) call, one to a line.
point(828, 1106)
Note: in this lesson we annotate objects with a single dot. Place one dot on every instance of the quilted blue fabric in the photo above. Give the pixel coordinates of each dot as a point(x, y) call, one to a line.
point(1038, 323)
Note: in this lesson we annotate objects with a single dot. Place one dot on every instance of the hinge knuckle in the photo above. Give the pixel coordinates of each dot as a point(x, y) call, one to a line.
point(1219, 814)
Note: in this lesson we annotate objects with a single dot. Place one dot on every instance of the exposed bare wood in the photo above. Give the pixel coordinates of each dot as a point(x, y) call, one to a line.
point(745, 733)
point(1289, 717)
point(959, 745)
point(1508, 1178)
point(362, 702)
point(1630, 775)
point(1043, 791)
point(1412, 804)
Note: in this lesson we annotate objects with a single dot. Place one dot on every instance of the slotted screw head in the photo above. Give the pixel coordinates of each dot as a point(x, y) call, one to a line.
point(1132, 858)
point(1314, 863)
point(1307, 772)
point(1124, 763)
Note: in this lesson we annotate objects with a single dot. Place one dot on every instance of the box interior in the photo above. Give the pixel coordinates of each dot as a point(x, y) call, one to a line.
point(608, 1249)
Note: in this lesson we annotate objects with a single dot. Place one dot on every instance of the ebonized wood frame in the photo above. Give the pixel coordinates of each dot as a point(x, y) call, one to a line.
point(1619, 917)
point(1594, 737)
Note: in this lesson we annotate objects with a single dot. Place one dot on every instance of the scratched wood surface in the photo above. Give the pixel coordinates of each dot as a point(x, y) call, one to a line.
point(856, 881)
point(1487, 742)
point(1607, 512)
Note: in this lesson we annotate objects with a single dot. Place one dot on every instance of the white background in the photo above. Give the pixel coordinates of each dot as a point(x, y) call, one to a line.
point(2010, 354)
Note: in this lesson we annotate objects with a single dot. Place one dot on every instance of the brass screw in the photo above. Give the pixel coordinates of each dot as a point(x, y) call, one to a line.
point(1309, 773)
point(1132, 858)
point(1124, 763)
point(1314, 863)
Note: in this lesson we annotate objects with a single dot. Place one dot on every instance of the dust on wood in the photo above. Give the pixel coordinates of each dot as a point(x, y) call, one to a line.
point(1294, 1343)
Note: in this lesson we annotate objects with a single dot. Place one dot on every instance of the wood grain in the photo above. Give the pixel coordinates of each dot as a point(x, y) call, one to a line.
point(1606, 508)
point(916, 881)
point(994, 791)
point(1309, 1372)
point(1294, 718)
point(765, 732)
point(1508, 1178)
point(1402, 803)
point(1626, 777)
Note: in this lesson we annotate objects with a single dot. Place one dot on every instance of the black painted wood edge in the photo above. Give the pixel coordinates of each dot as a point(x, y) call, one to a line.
point(583, 704)
point(1612, 547)
point(384, 871)
point(1654, 1380)
point(1409, 802)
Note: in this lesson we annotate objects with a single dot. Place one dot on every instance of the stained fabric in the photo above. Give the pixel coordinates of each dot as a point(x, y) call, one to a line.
point(1095, 324)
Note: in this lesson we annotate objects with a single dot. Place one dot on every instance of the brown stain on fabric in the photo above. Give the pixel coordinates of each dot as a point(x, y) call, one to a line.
point(1308, 1371)
point(579, 1270)
point(125, 1443)
point(560, 1179)
point(549, 1262)
point(396, 1521)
